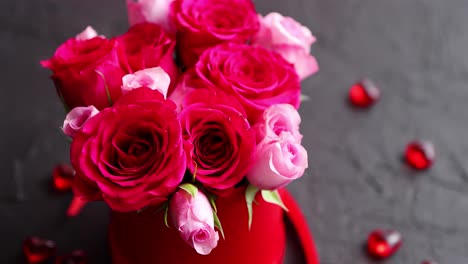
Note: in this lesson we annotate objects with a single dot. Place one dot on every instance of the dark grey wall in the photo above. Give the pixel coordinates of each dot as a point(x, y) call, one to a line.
point(416, 50)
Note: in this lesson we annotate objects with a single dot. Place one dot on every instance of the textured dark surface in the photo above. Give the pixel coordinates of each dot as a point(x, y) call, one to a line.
point(415, 50)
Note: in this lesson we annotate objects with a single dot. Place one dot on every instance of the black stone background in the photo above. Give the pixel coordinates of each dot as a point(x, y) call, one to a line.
point(416, 50)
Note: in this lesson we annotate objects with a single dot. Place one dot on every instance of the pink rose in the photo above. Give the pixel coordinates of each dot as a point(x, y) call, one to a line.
point(277, 163)
point(205, 23)
point(154, 11)
point(193, 217)
point(153, 78)
point(257, 77)
point(277, 120)
point(131, 154)
point(147, 45)
point(86, 72)
point(77, 118)
point(289, 38)
point(86, 34)
point(218, 139)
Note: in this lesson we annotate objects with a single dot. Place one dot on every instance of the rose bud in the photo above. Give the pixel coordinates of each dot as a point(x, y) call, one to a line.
point(193, 217)
point(154, 78)
point(277, 163)
point(290, 39)
point(276, 120)
point(154, 11)
point(77, 118)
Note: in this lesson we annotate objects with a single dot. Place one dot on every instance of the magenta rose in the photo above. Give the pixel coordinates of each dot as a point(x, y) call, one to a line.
point(86, 71)
point(193, 218)
point(277, 163)
point(131, 154)
point(257, 77)
point(147, 45)
point(218, 139)
point(204, 23)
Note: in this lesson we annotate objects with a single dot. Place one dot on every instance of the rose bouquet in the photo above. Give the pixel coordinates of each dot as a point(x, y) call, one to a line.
point(197, 102)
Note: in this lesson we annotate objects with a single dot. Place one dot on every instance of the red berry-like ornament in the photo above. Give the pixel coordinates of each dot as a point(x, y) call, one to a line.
point(76, 257)
point(428, 262)
point(420, 155)
point(383, 244)
point(62, 177)
point(38, 250)
point(363, 94)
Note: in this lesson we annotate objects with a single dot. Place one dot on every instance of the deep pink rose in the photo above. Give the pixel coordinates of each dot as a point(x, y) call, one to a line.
point(257, 77)
point(86, 72)
point(154, 78)
point(204, 23)
point(218, 139)
point(147, 45)
point(131, 154)
point(289, 38)
point(77, 118)
point(277, 120)
point(154, 11)
point(277, 163)
point(193, 218)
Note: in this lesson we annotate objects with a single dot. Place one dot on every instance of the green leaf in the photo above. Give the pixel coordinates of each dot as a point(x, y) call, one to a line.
point(212, 199)
point(250, 193)
point(304, 97)
point(190, 188)
point(166, 210)
point(217, 223)
point(273, 197)
point(109, 98)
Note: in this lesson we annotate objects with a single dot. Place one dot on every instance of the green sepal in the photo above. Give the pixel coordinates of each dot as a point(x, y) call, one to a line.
point(212, 199)
point(189, 188)
point(195, 172)
point(217, 224)
point(273, 197)
point(304, 98)
point(109, 98)
point(250, 193)
point(166, 212)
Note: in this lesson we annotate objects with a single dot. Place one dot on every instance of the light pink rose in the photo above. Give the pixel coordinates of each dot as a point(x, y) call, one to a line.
point(193, 217)
point(289, 38)
point(277, 163)
point(87, 33)
point(154, 11)
point(277, 120)
point(77, 118)
point(154, 78)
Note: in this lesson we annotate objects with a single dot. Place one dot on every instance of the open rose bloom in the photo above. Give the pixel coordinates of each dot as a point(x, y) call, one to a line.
point(189, 119)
